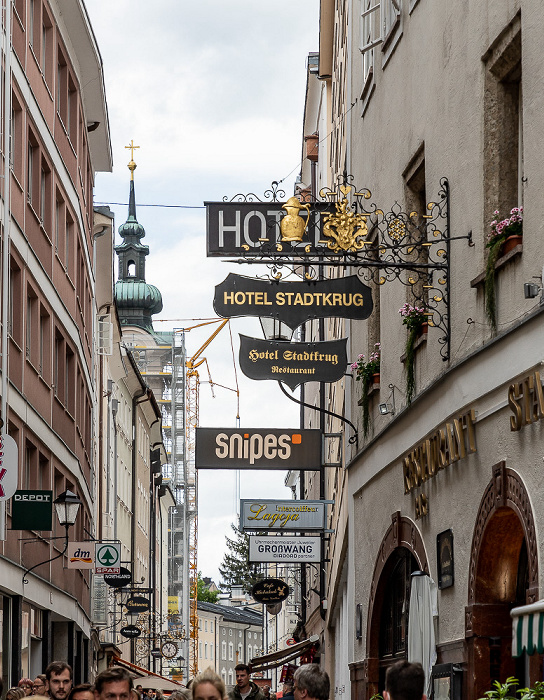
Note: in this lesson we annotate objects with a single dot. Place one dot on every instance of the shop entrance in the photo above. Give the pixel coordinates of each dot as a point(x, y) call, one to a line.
point(502, 576)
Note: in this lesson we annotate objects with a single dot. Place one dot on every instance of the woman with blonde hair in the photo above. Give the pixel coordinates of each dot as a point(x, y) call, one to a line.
point(208, 686)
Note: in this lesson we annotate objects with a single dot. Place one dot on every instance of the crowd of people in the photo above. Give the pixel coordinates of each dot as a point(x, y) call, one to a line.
point(403, 681)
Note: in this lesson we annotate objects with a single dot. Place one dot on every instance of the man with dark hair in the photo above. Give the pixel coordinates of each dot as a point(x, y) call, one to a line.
point(58, 676)
point(84, 691)
point(311, 683)
point(404, 681)
point(113, 684)
point(244, 689)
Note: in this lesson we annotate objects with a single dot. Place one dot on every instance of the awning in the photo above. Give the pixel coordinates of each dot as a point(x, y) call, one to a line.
point(283, 656)
point(528, 629)
point(148, 678)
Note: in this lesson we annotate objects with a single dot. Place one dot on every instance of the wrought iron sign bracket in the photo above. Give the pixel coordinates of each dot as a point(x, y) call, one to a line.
point(343, 229)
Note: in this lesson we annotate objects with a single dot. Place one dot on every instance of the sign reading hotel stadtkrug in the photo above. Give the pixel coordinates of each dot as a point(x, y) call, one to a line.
point(257, 448)
point(293, 303)
point(284, 550)
point(264, 514)
point(293, 363)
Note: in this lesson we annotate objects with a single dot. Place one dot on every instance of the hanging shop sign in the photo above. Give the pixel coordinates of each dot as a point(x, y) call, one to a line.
point(293, 363)
point(80, 555)
point(284, 550)
point(9, 466)
point(137, 604)
point(270, 591)
point(293, 303)
point(130, 631)
point(32, 510)
point(99, 601)
point(107, 558)
point(526, 401)
point(257, 448)
point(120, 580)
point(447, 445)
point(234, 229)
point(286, 515)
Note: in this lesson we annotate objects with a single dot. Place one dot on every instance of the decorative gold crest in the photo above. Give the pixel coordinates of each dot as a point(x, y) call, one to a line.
point(345, 228)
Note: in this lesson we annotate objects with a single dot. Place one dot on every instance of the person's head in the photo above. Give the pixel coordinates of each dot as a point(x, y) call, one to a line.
point(58, 677)
point(84, 691)
point(15, 694)
point(404, 681)
point(140, 688)
point(242, 676)
point(208, 686)
point(26, 685)
point(181, 694)
point(266, 691)
point(39, 685)
point(287, 688)
point(113, 684)
point(311, 682)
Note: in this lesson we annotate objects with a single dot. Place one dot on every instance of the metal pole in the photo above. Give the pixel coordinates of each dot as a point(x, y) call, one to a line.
point(5, 247)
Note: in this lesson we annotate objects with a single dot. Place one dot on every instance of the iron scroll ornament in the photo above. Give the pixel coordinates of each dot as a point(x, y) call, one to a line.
point(381, 246)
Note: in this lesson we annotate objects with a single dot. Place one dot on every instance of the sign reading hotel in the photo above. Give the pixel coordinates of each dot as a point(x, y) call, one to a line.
point(447, 445)
point(257, 448)
point(293, 363)
point(293, 303)
point(284, 550)
point(285, 515)
point(234, 229)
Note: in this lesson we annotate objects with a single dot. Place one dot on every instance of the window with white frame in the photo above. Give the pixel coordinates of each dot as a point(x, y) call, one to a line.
point(231, 651)
point(224, 651)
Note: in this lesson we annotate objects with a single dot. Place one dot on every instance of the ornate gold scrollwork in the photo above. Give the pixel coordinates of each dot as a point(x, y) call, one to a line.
point(308, 248)
point(437, 298)
point(441, 253)
point(382, 280)
point(442, 280)
point(397, 230)
point(245, 246)
point(279, 247)
point(411, 280)
point(345, 227)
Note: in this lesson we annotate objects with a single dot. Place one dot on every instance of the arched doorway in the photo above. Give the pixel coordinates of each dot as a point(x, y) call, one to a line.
point(503, 574)
point(401, 552)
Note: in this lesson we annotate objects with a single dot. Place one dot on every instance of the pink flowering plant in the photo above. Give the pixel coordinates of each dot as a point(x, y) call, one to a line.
point(495, 237)
point(364, 370)
point(413, 316)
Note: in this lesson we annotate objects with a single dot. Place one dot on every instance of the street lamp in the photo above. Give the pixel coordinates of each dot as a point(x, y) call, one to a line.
point(67, 507)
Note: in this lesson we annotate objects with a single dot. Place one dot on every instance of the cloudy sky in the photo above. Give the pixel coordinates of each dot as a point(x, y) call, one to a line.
point(213, 93)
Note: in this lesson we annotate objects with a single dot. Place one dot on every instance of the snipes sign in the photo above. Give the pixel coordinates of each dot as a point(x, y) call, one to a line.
point(257, 448)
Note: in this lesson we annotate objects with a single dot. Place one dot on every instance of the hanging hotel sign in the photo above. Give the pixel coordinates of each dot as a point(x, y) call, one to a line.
point(284, 550)
point(293, 303)
point(270, 590)
point(235, 228)
point(257, 448)
point(278, 515)
point(293, 363)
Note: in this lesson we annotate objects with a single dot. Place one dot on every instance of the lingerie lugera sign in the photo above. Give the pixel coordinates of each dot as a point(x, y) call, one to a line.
point(293, 303)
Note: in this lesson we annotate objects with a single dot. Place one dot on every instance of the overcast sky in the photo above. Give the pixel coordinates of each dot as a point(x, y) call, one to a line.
point(213, 93)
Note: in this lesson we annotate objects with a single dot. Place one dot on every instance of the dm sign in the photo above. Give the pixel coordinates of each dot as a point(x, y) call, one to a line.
point(270, 590)
point(32, 510)
point(256, 448)
point(285, 515)
point(80, 555)
point(293, 363)
point(293, 303)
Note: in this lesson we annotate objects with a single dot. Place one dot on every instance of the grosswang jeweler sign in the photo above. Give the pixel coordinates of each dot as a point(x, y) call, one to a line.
point(285, 550)
point(264, 514)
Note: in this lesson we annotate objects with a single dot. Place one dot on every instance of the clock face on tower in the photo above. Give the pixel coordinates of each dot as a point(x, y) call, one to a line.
point(169, 650)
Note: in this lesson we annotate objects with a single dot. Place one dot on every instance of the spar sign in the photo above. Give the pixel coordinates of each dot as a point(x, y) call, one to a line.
point(9, 466)
point(107, 559)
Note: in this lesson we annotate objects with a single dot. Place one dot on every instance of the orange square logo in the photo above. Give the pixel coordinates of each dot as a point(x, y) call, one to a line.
point(296, 439)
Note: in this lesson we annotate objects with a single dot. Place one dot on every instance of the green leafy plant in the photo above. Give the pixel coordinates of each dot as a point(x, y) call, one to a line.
point(413, 317)
point(364, 372)
point(503, 691)
point(498, 233)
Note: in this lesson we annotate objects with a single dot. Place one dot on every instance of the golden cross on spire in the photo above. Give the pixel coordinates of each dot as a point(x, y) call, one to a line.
point(132, 164)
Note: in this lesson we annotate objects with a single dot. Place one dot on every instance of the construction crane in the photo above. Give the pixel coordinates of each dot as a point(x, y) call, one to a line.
point(191, 486)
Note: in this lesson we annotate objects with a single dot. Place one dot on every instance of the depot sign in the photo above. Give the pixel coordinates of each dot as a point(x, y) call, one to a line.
point(256, 448)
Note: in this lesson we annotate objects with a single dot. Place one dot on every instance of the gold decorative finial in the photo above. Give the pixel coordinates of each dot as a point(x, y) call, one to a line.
point(132, 164)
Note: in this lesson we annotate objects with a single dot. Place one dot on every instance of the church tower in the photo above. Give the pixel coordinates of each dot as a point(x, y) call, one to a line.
point(136, 300)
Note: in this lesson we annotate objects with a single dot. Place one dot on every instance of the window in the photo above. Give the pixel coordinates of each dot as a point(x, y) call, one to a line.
point(230, 632)
point(69, 245)
point(205, 650)
point(15, 300)
point(394, 617)
point(46, 49)
point(31, 324)
point(16, 139)
point(249, 652)
point(224, 650)
point(45, 196)
point(44, 344)
point(231, 651)
point(58, 366)
point(240, 653)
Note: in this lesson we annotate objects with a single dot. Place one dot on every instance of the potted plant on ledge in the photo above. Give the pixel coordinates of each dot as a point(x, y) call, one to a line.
point(368, 373)
point(415, 319)
point(502, 238)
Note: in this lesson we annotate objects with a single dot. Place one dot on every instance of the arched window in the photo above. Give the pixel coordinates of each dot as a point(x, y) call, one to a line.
point(394, 617)
point(131, 268)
